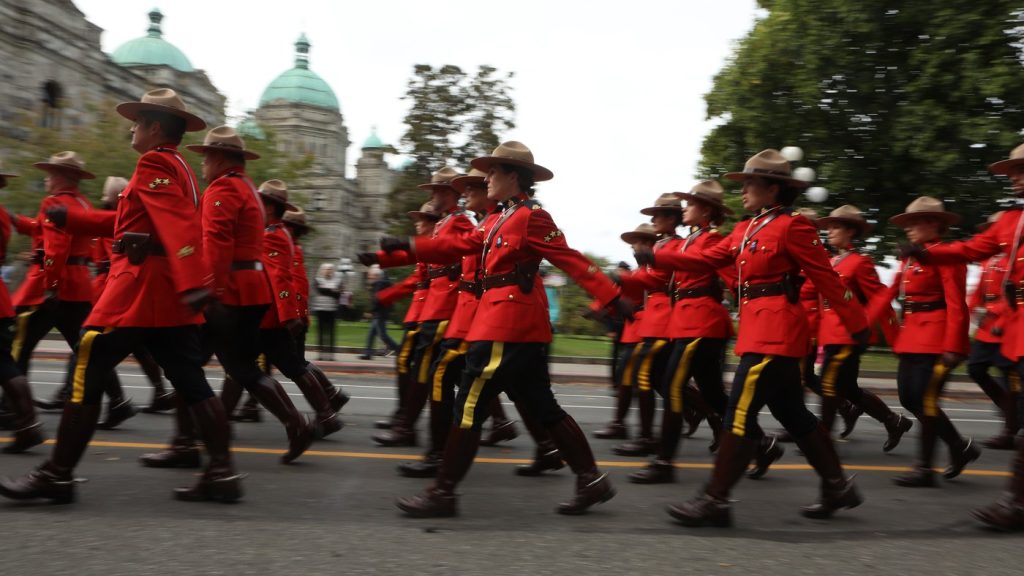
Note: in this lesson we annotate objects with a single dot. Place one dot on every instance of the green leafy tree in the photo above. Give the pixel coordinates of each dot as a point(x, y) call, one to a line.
point(890, 100)
point(574, 302)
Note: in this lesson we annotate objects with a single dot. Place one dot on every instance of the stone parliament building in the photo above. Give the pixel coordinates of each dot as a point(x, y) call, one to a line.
point(51, 56)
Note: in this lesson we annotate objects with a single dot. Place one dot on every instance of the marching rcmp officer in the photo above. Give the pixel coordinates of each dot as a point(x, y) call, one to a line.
point(838, 381)
point(416, 285)
point(769, 251)
point(700, 327)
point(1004, 236)
point(437, 310)
point(17, 394)
point(988, 299)
point(932, 339)
point(232, 231)
point(509, 339)
point(158, 285)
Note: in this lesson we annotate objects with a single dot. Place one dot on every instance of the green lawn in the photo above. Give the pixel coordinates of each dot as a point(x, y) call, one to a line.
point(353, 334)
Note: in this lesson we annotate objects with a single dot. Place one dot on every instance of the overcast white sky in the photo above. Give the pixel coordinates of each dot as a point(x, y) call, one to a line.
point(609, 94)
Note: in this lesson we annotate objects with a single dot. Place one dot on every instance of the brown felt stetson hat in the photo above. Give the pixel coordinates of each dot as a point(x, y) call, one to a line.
point(769, 164)
point(68, 163)
point(296, 218)
point(925, 206)
point(992, 219)
point(162, 100)
point(644, 231)
point(846, 214)
point(709, 192)
point(276, 191)
point(474, 178)
point(513, 153)
point(113, 186)
point(4, 174)
point(1004, 166)
point(667, 202)
point(223, 139)
point(426, 212)
point(441, 179)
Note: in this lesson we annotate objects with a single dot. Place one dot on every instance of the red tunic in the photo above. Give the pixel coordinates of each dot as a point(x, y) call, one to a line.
point(233, 223)
point(32, 290)
point(931, 331)
point(465, 308)
point(278, 255)
point(6, 308)
point(859, 275)
point(413, 284)
point(444, 284)
point(66, 255)
point(523, 236)
point(162, 200)
point(301, 283)
point(988, 296)
point(764, 250)
point(702, 316)
point(656, 285)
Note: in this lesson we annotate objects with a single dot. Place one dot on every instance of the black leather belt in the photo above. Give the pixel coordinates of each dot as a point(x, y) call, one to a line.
point(103, 267)
point(154, 248)
point(434, 273)
point(909, 307)
point(78, 261)
point(698, 292)
point(423, 285)
point(466, 286)
point(246, 265)
point(990, 297)
point(761, 290)
point(499, 280)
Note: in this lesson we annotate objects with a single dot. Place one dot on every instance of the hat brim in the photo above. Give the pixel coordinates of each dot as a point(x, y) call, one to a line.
point(130, 110)
point(431, 186)
point(6, 175)
point(51, 167)
point(632, 237)
point(484, 163)
point(948, 218)
point(863, 226)
point(707, 201)
point(1005, 166)
point(652, 210)
point(203, 149)
point(741, 176)
point(414, 214)
point(276, 200)
point(460, 183)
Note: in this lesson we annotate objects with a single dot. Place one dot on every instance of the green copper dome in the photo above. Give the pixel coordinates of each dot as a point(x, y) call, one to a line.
point(373, 141)
point(152, 49)
point(300, 84)
point(248, 128)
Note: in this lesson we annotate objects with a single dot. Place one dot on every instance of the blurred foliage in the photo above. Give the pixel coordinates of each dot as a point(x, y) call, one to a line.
point(453, 117)
point(890, 100)
point(574, 302)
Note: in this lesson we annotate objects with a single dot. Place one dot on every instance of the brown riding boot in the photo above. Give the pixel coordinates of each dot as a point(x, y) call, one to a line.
point(829, 406)
point(768, 452)
point(27, 429)
point(403, 433)
point(502, 429)
point(53, 479)
point(335, 396)
point(272, 396)
point(1007, 513)
point(661, 470)
point(119, 408)
point(440, 425)
point(961, 451)
point(922, 475)
point(695, 409)
point(645, 445)
point(837, 491)
point(327, 421)
point(712, 506)
point(851, 413)
point(616, 429)
point(1006, 439)
point(219, 482)
point(546, 456)
point(439, 500)
point(895, 424)
point(592, 487)
point(183, 451)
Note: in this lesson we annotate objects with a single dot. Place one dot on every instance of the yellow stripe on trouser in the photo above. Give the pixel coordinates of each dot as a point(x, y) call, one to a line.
point(644, 376)
point(1013, 380)
point(680, 377)
point(931, 394)
point(403, 354)
point(261, 362)
point(627, 372)
point(739, 418)
point(84, 350)
point(497, 350)
point(442, 367)
point(22, 328)
point(428, 354)
point(828, 379)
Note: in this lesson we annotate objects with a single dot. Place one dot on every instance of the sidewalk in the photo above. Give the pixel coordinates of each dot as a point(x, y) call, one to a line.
point(564, 370)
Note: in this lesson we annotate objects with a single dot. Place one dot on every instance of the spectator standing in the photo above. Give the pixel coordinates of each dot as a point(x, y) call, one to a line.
point(380, 312)
point(325, 304)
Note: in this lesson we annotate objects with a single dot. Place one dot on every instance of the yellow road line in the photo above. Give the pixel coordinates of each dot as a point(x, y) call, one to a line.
point(489, 460)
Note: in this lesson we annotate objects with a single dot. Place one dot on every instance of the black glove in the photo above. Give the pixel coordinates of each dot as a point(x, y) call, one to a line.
point(623, 306)
point(644, 257)
point(197, 298)
point(368, 258)
point(905, 250)
point(862, 339)
point(57, 215)
point(391, 244)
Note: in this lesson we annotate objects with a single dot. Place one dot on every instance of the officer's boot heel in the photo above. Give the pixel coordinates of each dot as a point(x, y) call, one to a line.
point(592, 487)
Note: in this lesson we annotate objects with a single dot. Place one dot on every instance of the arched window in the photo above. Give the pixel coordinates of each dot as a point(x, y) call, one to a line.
point(52, 95)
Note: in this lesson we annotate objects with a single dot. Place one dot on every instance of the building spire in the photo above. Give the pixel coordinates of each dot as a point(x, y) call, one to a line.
point(155, 17)
point(302, 52)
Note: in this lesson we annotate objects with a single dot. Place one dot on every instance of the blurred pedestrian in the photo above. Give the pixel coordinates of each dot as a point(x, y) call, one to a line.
point(325, 306)
point(379, 314)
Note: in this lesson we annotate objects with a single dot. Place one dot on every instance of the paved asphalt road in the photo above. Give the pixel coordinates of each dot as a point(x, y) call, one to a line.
point(332, 512)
